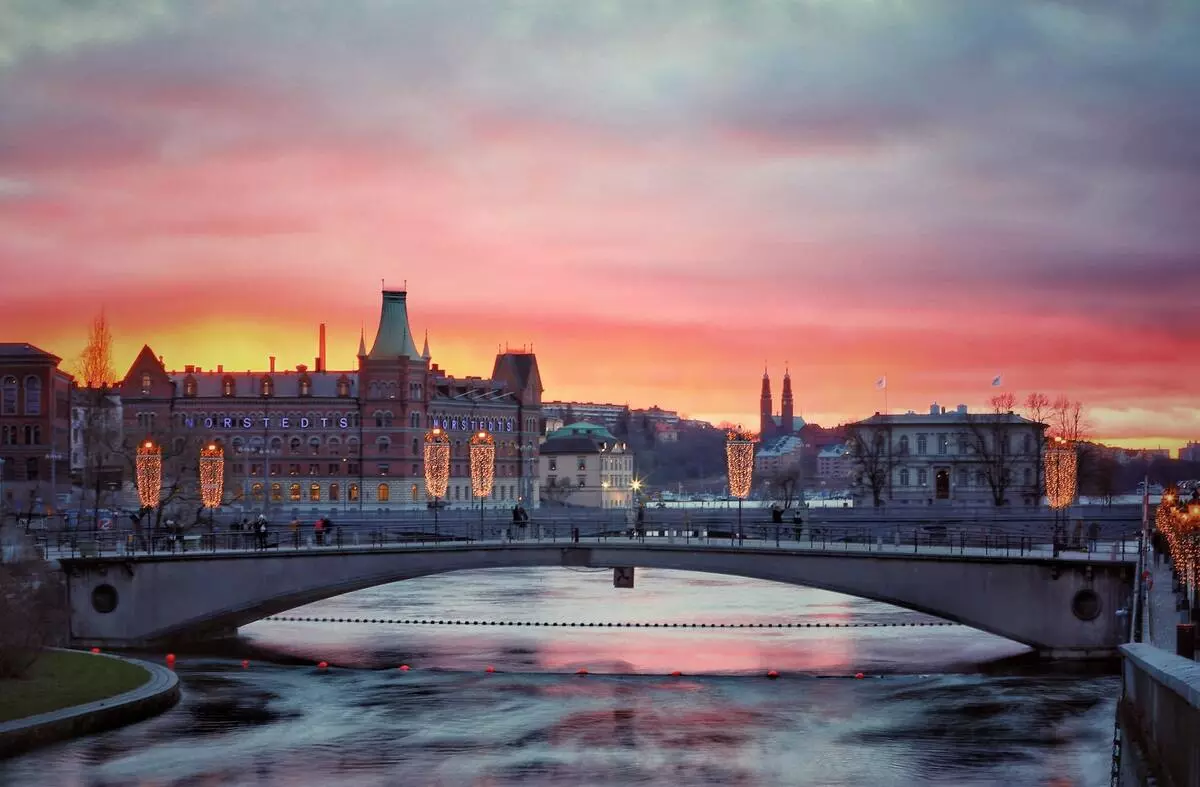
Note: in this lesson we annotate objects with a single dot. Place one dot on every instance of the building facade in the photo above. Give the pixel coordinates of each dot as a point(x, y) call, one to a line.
point(834, 466)
point(583, 464)
point(301, 442)
point(778, 455)
point(35, 428)
point(946, 458)
point(1190, 452)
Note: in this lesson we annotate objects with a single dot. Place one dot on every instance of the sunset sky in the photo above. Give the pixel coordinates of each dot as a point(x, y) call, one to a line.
point(658, 196)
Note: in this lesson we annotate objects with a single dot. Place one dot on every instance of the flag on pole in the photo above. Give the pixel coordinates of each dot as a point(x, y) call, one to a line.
point(996, 381)
point(881, 383)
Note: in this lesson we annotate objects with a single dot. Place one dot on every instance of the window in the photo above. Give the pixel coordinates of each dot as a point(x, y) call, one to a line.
point(294, 468)
point(145, 383)
point(1027, 444)
point(8, 435)
point(582, 481)
point(256, 492)
point(1028, 475)
point(551, 480)
point(333, 446)
point(382, 445)
point(275, 469)
point(276, 445)
point(416, 469)
point(352, 493)
point(383, 493)
point(33, 396)
point(8, 399)
point(962, 444)
point(922, 445)
point(353, 469)
point(923, 477)
point(294, 493)
point(33, 435)
point(314, 468)
point(343, 387)
point(294, 445)
point(904, 445)
point(553, 463)
point(334, 492)
point(416, 447)
point(314, 493)
point(904, 477)
point(582, 463)
point(943, 444)
point(414, 420)
point(189, 386)
point(963, 478)
point(276, 493)
point(228, 387)
point(31, 469)
point(335, 468)
point(415, 492)
point(383, 469)
point(305, 387)
point(238, 444)
point(267, 387)
point(378, 419)
point(314, 445)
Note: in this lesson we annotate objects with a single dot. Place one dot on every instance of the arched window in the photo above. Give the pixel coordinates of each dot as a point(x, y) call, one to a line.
point(904, 445)
point(383, 444)
point(267, 387)
point(294, 445)
point(387, 418)
point(416, 493)
point(414, 420)
point(352, 493)
point(351, 446)
point(343, 387)
point(276, 493)
point(189, 386)
point(334, 491)
point(256, 492)
point(373, 388)
point(33, 396)
point(145, 383)
point(238, 444)
point(904, 477)
point(294, 492)
point(314, 445)
point(379, 419)
point(305, 387)
point(228, 386)
point(391, 390)
point(383, 494)
point(314, 493)
point(416, 446)
point(276, 445)
point(8, 396)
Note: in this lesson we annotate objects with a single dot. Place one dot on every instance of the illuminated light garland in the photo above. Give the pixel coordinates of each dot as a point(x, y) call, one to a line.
point(212, 475)
point(483, 463)
point(1061, 465)
point(1180, 524)
point(739, 463)
point(437, 463)
point(149, 473)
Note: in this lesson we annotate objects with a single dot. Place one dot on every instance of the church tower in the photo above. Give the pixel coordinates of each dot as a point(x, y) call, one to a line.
point(765, 409)
point(786, 422)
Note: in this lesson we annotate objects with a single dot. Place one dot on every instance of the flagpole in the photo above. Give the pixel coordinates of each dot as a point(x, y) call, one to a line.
point(885, 406)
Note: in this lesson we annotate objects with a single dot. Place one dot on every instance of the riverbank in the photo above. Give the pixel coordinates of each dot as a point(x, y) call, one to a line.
point(71, 693)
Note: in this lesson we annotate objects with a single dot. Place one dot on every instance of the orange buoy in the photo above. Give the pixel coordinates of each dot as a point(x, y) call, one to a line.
point(772, 674)
point(323, 665)
point(95, 650)
point(490, 668)
point(245, 663)
point(581, 671)
point(404, 668)
point(676, 674)
point(858, 676)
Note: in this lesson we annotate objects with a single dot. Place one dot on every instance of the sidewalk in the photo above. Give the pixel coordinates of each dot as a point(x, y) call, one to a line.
point(1158, 626)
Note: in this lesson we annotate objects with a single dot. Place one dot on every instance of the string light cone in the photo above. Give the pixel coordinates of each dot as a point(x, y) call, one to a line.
point(1179, 522)
point(1061, 465)
point(149, 473)
point(212, 475)
point(483, 463)
point(437, 463)
point(739, 463)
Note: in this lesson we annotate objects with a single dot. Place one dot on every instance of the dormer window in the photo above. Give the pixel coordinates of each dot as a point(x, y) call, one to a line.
point(145, 383)
point(268, 387)
point(189, 386)
point(228, 387)
point(343, 387)
point(305, 387)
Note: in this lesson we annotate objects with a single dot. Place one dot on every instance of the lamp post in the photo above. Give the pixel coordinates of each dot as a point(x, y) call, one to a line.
point(437, 469)
point(739, 467)
point(212, 478)
point(483, 468)
point(1061, 468)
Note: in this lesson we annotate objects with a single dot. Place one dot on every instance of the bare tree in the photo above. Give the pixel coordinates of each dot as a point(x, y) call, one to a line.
point(179, 498)
point(94, 366)
point(871, 451)
point(787, 484)
point(99, 426)
point(990, 437)
point(1037, 409)
point(557, 491)
point(1066, 420)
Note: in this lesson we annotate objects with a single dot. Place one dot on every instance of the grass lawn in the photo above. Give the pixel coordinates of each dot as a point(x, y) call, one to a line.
point(60, 680)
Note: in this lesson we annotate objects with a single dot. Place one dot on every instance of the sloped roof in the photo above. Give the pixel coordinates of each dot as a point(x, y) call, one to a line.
point(569, 445)
point(583, 429)
point(25, 350)
point(394, 337)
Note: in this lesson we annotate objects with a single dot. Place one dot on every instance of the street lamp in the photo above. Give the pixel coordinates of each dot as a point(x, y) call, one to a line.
point(483, 468)
point(437, 468)
point(635, 492)
point(212, 478)
point(148, 467)
point(1179, 522)
point(739, 467)
point(1061, 468)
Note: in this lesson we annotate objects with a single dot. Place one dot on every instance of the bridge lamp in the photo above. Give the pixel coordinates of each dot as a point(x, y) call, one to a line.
point(483, 468)
point(437, 467)
point(1061, 466)
point(739, 466)
point(212, 475)
point(148, 466)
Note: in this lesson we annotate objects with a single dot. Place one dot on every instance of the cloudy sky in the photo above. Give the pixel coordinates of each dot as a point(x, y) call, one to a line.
point(658, 196)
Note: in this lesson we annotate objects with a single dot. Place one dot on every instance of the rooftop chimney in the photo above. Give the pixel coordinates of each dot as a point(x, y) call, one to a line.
point(272, 364)
point(220, 368)
point(321, 350)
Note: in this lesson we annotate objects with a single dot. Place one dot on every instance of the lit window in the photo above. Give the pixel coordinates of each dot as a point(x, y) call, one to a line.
point(228, 387)
point(145, 383)
point(314, 493)
point(276, 493)
point(189, 386)
point(383, 494)
point(416, 493)
point(256, 492)
point(305, 387)
point(352, 493)
point(294, 493)
point(268, 387)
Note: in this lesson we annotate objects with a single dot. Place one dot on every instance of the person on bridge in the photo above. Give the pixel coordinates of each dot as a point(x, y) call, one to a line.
point(262, 533)
point(295, 528)
point(319, 532)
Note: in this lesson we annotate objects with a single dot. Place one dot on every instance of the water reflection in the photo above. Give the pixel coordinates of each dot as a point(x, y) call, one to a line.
point(447, 722)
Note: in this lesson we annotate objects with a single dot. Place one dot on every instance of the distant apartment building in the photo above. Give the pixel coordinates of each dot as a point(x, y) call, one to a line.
point(777, 455)
point(834, 466)
point(607, 414)
point(1190, 452)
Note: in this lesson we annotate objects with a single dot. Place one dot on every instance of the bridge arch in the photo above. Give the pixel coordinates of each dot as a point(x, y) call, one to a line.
point(1032, 601)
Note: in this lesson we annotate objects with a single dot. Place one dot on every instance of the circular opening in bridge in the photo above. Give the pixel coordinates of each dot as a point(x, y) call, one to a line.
point(104, 598)
point(1086, 604)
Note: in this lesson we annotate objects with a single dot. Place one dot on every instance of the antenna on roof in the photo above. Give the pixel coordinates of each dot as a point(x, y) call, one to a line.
point(382, 283)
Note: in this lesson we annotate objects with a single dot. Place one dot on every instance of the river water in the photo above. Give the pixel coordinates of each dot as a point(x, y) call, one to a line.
point(938, 705)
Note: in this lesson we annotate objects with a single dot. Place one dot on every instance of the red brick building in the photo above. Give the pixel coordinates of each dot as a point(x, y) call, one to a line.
point(35, 421)
point(306, 441)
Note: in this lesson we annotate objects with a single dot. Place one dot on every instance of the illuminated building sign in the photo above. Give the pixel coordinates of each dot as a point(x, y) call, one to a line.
point(281, 422)
point(452, 423)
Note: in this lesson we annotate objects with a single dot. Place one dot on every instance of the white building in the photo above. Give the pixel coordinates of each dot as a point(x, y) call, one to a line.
point(946, 458)
point(583, 464)
point(97, 423)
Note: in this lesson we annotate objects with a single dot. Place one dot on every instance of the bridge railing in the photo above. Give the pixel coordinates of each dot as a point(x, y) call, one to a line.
point(1014, 540)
